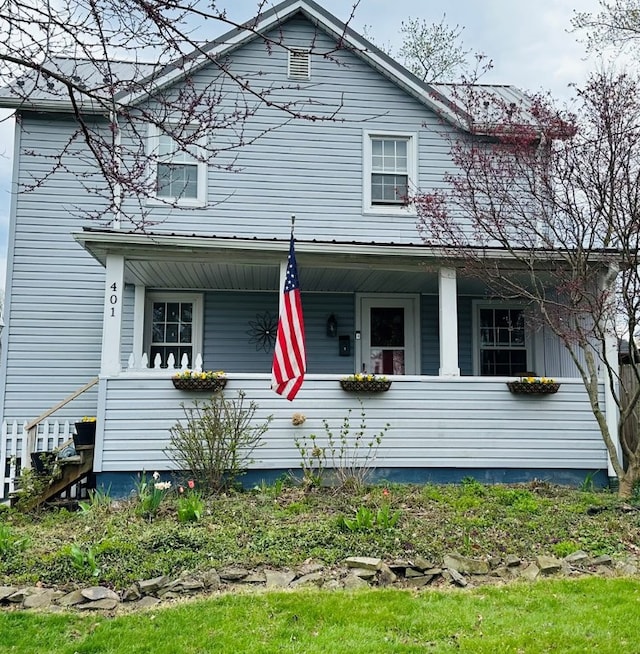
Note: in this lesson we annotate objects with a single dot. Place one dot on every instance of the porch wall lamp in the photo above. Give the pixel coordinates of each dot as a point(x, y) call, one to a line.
point(332, 326)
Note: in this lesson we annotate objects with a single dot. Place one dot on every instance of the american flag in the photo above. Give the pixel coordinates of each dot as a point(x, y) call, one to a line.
point(289, 357)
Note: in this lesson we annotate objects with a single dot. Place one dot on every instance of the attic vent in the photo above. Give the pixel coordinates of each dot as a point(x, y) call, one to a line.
point(299, 64)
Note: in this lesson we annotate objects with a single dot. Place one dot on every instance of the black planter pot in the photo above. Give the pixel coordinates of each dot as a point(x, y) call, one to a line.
point(85, 434)
point(42, 462)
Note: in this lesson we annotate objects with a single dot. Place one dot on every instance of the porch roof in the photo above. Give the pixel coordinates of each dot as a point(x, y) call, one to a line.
point(193, 261)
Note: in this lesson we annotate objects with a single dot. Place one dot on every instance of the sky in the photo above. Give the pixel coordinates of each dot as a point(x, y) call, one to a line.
point(529, 43)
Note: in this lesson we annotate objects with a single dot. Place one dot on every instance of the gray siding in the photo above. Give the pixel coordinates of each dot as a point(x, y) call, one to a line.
point(312, 169)
point(55, 322)
point(462, 423)
point(227, 343)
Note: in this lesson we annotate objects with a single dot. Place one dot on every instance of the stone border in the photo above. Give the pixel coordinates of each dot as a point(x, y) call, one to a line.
point(355, 572)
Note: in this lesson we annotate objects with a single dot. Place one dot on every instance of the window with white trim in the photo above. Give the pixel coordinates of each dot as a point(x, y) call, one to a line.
point(389, 170)
point(180, 174)
point(173, 325)
point(502, 341)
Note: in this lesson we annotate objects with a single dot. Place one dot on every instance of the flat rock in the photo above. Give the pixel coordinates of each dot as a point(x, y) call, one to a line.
point(255, 578)
point(459, 563)
point(43, 599)
point(211, 579)
point(576, 557)
point(457, 578)
point(548, 564)
point(233, 574)
point(419, 582)
point(72, 599)
point(99, 605)
point(511, 560)
point(131, 594)
point(97, 593)
point(364, 562)
point(7, 591)
point(602, 560)
point(413, 572)
point(421, 563)
point(353, 581)
point(278, 579)
point(19, 596)
point(364, 573)
point(531, 572)
point(150, 586)
point(386, 576)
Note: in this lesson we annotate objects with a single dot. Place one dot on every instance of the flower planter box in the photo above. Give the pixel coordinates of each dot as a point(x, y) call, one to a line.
point(211, 385)
point(365, 386)
point(524, 388)
point(85, 434)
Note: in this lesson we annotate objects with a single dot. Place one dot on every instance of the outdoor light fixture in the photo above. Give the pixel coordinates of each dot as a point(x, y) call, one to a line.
point(332, 326)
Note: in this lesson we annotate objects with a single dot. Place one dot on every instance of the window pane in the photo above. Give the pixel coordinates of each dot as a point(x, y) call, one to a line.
point(159, 309)
point(387, 327)
point(186, 309)
point(173, 311)
point(157, 335)
point(185, 333)
point(387, 362)
point(177, 180)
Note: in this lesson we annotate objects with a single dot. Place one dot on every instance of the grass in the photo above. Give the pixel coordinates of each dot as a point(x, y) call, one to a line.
point(552, 616)
point(283, 526)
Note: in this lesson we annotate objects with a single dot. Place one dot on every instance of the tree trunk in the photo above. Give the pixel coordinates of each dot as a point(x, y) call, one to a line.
point(627, 482)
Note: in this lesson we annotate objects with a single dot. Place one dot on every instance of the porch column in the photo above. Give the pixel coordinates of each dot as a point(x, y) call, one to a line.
point(448, 306)
point(112, 317)
point(138, 324)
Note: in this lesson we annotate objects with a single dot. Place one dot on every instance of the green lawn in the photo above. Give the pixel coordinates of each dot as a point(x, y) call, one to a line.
point(587, 615)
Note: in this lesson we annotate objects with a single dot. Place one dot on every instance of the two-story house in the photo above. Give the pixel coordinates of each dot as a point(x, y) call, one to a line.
point(86, 300)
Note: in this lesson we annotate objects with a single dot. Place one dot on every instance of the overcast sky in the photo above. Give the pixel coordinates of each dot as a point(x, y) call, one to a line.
point(529, 43)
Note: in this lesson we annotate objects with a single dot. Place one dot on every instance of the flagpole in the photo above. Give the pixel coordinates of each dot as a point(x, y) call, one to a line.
point(293, 223)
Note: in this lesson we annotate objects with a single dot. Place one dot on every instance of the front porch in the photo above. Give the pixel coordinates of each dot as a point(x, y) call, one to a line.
point(441, 429)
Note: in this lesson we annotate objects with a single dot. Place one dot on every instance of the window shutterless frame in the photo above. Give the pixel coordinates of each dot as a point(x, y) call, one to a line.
point(173, 325)
point(389, 171)
point(178, 175)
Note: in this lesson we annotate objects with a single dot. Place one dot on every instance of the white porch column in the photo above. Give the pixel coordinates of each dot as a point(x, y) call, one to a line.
point(112, 317)
point(448, 307)
point(138, 324)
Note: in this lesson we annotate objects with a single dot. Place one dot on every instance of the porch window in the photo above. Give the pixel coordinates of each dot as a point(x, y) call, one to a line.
point(173, 326)
point(179, 172)
point(502, 339)
point(389, 170)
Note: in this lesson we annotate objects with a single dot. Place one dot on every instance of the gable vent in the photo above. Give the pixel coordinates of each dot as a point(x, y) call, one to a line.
point(299, 64)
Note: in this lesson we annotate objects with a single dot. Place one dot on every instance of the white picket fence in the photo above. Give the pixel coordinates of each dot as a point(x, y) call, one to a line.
point(50, 434)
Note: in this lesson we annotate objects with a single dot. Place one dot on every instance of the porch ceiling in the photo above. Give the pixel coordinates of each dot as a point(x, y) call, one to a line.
point(266, 277)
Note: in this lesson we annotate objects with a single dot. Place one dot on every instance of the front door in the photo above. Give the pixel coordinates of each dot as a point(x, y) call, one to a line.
point(389, 335)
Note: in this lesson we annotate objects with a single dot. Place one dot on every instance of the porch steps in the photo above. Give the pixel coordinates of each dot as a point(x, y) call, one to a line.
point(74, 470)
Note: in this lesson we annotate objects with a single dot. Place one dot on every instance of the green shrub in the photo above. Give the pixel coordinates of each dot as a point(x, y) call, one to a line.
point(216, 440)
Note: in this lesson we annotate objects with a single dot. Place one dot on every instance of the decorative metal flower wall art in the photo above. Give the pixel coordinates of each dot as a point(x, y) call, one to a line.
point(262, 331)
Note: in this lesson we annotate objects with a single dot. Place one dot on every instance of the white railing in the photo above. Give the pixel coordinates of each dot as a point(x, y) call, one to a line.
point(143, 363)
point(16, 448)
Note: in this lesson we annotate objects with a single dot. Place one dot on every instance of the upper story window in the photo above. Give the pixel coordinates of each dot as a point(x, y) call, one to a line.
point(502, 341)
point(389, 169)
point(173, 325)
point(180, 174)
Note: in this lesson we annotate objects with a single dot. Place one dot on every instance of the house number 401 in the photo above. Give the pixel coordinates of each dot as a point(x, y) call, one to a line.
point(113, 299)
